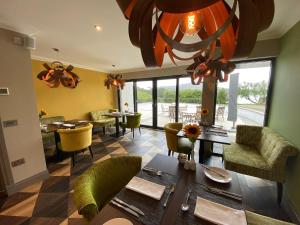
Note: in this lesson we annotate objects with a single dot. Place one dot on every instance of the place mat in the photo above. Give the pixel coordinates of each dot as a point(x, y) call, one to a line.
point(219, 214)
point(152, 208)
point(187, 218)
point(146, 187)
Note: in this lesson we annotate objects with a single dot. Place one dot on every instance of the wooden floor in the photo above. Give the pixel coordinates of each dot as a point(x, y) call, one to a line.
point(50, 202)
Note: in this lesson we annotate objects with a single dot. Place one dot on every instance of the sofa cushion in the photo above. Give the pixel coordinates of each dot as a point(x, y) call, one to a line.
point(49, 120)
point(99, 114)
point(247, 160)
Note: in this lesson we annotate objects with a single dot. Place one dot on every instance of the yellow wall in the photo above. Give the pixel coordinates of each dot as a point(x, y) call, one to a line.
point(89, 95)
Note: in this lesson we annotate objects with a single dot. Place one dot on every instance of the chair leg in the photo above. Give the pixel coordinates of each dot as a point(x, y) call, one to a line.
point(91, 152)
point(103, 130)
point(279, 192)
point(189, 156)
point(73, 159)
point(169, 152)
point(133, 133)
point(140, 130)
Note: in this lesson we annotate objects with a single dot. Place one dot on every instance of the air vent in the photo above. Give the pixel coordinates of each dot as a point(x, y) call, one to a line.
point(4, 91)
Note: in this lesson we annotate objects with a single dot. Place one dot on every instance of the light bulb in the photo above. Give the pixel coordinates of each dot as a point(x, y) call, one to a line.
point(190, 23)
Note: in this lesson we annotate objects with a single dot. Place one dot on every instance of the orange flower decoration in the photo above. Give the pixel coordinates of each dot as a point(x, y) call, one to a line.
point(192, 131)
point(204, 111)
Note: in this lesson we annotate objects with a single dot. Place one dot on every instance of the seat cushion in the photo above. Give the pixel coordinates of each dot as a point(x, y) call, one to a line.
point(256, 219)
point(104, 122)
point(247, 160)
point(184, 146)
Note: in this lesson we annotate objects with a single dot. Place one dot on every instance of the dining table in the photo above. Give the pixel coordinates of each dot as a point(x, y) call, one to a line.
point(55, 126)
point(117, 116)
point(209, 134)
point(173, 173)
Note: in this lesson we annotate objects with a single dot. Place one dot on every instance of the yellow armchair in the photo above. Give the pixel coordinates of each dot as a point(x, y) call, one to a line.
point(175, 144)
point(74, 140)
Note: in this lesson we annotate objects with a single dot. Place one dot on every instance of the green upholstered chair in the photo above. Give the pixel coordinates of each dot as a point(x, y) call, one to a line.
point(100, 183)
point(48, 138)
point(175, 144)
point(100, 120)
point(132, 121)
point(256, 219)
point(259, 152)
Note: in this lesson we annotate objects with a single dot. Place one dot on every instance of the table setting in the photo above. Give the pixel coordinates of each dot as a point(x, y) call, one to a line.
point(165, 193)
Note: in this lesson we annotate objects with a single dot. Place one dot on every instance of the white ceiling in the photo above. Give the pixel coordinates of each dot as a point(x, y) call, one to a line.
point(69, 26)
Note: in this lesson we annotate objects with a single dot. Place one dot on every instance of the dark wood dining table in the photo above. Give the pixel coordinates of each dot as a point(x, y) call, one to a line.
point(173, 173)
point(208, 136)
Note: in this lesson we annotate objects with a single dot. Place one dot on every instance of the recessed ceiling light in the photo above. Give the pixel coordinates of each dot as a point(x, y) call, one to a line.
point(98, 28)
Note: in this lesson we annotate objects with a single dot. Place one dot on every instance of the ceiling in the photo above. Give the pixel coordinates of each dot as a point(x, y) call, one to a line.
point(69, 26)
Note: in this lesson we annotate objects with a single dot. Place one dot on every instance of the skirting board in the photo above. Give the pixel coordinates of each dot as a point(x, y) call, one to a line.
point(11, 189)
point(290, 209)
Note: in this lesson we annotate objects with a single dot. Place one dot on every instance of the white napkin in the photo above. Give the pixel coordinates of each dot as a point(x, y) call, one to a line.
point(146, 187)
point(219, 214)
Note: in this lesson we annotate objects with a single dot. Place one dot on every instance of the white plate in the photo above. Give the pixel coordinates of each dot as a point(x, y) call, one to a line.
point(68, 125)
point(118, 221)
point(215, 177)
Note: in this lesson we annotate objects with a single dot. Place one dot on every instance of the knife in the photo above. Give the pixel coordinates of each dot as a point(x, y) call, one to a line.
point(132, 207)
point(171, 191)
point(130, 211)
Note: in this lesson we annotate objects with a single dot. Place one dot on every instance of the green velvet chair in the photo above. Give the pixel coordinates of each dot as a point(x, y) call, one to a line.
point(100, 183)
point(259, 152)
point(175, 144)
point(256, 219)
point(100, 120)
point(132, 121)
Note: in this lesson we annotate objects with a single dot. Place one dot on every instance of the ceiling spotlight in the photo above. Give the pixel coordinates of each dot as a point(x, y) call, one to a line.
point(98, 28)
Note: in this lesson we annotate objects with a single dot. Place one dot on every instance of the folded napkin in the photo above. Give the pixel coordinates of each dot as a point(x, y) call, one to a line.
point(146, 187)
point(219, 214)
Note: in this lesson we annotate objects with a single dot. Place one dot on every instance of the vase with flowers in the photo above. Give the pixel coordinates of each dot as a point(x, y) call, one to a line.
point(126, 107)
point(204, 115)
point(192, 131)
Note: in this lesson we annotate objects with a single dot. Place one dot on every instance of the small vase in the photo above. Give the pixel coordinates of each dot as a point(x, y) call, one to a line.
point(192, 162)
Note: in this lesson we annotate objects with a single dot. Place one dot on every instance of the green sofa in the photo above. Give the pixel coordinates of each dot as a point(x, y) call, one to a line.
point(48, 138)
point(100, 120)
point(100, 183)
point(259, 152)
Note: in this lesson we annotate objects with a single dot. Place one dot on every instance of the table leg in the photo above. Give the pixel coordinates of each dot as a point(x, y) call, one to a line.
point(117, 127)
point(201, 151)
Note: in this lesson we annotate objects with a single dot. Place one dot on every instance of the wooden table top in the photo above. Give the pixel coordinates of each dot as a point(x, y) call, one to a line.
point(210, 137)
point(158, 215)
point(49, 128)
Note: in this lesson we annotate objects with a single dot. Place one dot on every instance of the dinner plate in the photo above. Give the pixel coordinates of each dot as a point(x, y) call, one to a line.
point(57, 123)
point(217, 178)
point(68, 125)
point(118, 221)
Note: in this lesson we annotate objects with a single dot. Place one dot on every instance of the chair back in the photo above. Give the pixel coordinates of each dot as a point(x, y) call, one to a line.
point(99, 114)
point(133, 121)
point(100, 183)
point(75, 139)
point(171, 130)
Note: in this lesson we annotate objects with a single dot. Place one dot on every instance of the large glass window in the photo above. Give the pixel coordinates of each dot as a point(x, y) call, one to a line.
point(242, 100)
point(166, 101)
point(145, 101)
point(190, 98)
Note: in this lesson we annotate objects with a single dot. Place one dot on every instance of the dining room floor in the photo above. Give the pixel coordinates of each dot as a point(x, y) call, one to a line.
point(49, 202)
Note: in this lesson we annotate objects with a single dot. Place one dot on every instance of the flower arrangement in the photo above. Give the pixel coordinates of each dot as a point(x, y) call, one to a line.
point(192, 131)
point(42, 113)
point(126, 104)
point(204, 111)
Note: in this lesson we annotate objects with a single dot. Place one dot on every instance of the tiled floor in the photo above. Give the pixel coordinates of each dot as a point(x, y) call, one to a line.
point(50, 202)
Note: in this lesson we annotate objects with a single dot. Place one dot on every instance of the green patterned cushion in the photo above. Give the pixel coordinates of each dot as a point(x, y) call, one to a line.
point(49, 120)
point(100, 183)
point(256, 219)
point(248, 135)
point(99, 119)
point(247, 160)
